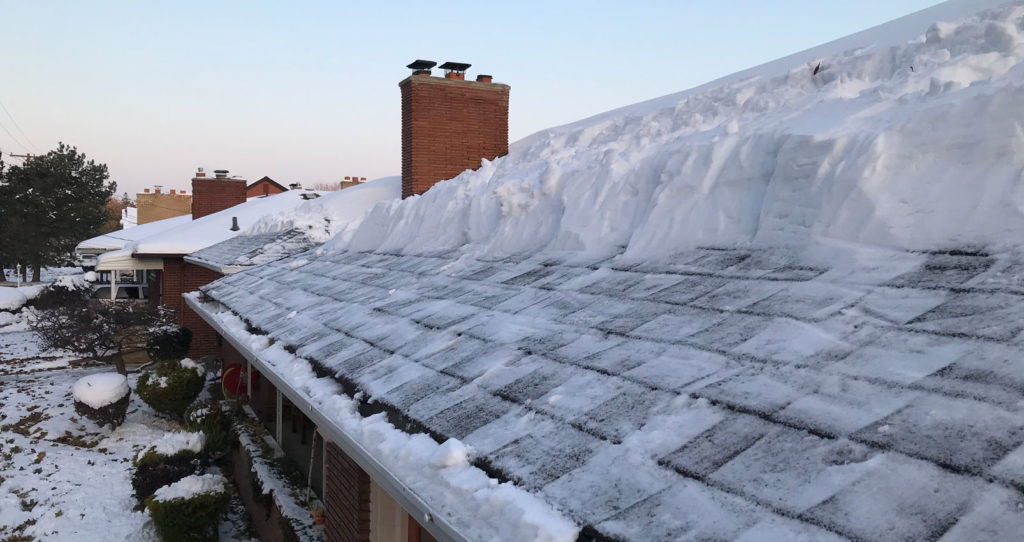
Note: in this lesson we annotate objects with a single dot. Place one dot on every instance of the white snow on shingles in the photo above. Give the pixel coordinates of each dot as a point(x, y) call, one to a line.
point(866, 151)
point(192, 235)
point(462, 492)
point(333, 213)
point(121, 238)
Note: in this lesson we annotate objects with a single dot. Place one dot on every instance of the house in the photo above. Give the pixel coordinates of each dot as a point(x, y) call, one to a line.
point(159, 205)
point(219, 212)
point(645, 326)
point(264, 187)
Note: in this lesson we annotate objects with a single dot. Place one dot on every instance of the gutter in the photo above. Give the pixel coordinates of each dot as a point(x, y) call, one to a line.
point(434, 523)
point(222, 269)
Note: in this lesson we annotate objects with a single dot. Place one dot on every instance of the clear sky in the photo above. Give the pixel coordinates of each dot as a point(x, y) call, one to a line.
point(307, 92)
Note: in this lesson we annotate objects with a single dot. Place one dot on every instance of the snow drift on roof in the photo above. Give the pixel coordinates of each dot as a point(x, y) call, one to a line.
point(214, 228)
point(913, 146)
point(333, 213)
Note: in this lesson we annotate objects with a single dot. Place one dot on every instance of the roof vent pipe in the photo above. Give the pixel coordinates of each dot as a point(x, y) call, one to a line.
point(234, 223)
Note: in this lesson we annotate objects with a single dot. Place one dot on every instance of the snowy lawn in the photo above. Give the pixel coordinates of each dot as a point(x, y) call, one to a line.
point(64, 478)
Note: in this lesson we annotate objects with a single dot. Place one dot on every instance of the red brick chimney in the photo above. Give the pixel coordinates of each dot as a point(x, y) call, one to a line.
point(210, 195)
point(449, 124)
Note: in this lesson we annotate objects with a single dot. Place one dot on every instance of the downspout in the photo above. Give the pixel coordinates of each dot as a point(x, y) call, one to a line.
point(406, 497)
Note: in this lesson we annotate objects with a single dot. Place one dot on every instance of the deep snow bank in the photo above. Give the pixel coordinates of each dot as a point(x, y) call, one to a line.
point(333, 213)
point(917, 145)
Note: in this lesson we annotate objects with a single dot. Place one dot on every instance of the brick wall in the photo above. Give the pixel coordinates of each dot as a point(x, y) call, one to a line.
point(179, 277)
point(262, 188)
point(448, 125)
point(212, 195)
point(153, 207)
point(347, 498)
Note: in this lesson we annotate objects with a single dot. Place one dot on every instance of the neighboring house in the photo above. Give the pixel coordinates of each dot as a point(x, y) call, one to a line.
point(88, 250)
point(159, 205)
point(264, 187)
point(278, 236)
point(129, 217)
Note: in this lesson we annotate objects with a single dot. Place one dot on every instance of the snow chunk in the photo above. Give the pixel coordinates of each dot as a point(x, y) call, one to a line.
point(71, 282)
point(189, 364)
point(101, 389)
point(172, 443)
point(190, 486)
point(453, 453)
point(11, 299)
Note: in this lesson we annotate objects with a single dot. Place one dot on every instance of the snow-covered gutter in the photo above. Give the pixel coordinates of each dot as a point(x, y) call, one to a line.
point(412, 503)
point(222, 269)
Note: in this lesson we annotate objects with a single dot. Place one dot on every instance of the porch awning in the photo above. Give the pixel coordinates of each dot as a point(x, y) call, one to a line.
point(122, 260)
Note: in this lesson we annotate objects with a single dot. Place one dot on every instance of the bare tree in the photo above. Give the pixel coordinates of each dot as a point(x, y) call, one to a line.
point(101, 330)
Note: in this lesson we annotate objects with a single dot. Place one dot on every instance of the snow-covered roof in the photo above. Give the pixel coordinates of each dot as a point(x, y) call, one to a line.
point(121, 238)
point(129, 217)
point(247, 250)
point(290, 232)
point(780, 308)
point(194, 235)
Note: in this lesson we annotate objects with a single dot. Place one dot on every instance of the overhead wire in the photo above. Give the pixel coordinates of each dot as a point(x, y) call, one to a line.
point(18, 126)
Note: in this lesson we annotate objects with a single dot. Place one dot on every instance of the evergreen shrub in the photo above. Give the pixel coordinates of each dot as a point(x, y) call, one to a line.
point(174, 387)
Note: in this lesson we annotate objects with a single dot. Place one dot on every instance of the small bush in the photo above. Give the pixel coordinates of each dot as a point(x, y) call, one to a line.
point(174, 387)
point(188, 519)
point(114, 413)
point(61, 294)
point(208, 417)
point(154, 471)
point(169, 343)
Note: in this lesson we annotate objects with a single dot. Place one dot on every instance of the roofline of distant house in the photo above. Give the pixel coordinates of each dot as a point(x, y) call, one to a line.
point(157, 255)
point(409, 500)
point(269, 180)
point(222, 269)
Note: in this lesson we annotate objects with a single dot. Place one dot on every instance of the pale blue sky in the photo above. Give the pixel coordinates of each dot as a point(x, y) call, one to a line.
point(308, 91)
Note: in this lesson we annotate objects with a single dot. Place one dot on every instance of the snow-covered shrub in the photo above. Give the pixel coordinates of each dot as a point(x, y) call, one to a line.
point(168, 343)
point(102, 397)
point(11, 299)
point(209, 418)
point(171, 458)
point(61, 293)
point(173, 387)
point(190, 509)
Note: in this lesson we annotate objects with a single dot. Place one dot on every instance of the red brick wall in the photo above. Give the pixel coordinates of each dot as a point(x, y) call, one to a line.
point(212, 195)
point(262, 188)
point(448, 125)
point(347, 498)
point(180, 277)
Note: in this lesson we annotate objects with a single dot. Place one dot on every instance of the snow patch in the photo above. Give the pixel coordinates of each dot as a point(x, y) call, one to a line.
point(172, 443)
point(101, 389)
point(190, 486)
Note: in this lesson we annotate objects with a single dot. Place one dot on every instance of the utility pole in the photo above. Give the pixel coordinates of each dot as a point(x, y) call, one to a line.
point(26, 157)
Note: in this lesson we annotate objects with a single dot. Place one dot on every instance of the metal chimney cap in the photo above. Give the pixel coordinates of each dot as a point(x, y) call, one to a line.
point(234, 223)
point(422, 65)
point(455, 66)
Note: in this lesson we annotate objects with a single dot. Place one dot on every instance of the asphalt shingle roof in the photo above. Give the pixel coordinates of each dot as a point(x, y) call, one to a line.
point(725, 395)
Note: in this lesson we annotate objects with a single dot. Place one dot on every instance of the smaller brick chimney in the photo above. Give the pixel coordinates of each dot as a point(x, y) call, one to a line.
point(212, 195)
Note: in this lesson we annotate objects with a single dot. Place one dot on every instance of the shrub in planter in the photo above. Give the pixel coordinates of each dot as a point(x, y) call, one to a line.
point(174, 387)
point(168, 343)
point(190, 509)
point(102, 397)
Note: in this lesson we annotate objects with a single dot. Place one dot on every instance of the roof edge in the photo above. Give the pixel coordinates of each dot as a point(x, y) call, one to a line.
point(222, 269)
point(409, 500)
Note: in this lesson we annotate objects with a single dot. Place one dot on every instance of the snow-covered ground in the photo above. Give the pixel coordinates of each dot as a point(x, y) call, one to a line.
point(63, 478)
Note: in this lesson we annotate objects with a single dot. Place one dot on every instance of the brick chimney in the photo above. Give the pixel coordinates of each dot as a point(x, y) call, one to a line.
point(449, 124)
point(210, 195)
